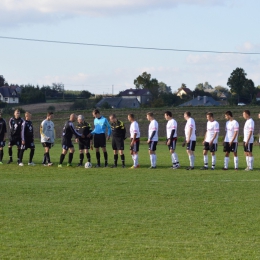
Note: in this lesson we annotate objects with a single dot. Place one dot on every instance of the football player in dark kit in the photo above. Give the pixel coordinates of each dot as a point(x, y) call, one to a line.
point(15, 125)
point(2, 137)
point(118, 134)
point(84, 143)
point(68, 132)
point(27, 139)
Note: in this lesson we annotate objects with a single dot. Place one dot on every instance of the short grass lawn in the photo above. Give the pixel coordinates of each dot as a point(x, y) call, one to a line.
point(104, 213)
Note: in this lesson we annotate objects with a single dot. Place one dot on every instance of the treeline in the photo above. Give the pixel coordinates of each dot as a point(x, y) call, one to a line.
point(34, 94)
point(240, 90)
point(30, 94)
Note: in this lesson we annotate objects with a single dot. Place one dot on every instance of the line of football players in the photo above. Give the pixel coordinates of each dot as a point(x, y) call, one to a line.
point(22, 136)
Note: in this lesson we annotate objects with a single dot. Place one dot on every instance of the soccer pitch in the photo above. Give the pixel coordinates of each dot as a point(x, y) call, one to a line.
point(104, 213)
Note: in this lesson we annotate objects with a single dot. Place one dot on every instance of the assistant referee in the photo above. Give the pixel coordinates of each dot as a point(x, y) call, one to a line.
point(118, 134)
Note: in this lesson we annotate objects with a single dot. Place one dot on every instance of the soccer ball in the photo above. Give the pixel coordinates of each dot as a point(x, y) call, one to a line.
point(88, 165)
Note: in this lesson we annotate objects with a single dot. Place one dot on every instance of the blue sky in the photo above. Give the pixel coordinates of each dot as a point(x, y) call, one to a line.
point(218, 25)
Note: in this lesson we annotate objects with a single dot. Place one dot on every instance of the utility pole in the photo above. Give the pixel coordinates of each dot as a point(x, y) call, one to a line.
point(112, 90)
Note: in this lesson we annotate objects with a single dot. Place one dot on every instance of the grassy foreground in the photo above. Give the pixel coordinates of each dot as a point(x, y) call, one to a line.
point(72, 213)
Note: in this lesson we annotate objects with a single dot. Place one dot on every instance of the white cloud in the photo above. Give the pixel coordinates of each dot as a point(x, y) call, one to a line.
point(26, 11)
point(249, 47)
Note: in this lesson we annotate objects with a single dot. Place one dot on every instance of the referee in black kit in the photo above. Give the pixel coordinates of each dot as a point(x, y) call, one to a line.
point(119, 135)
point(85, 143)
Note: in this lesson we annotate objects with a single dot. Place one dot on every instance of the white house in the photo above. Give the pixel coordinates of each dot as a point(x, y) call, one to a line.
point(183, 91)
point(8, 95)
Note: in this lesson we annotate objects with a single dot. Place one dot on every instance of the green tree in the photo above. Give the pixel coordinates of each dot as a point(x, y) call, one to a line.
point(170, 99)
point(221, 89)
point(241, 88)
point(85, 94)
point(31, 95)
point(237, 81)
point(200, 87)
point(207, 86)
point(2, 81)
point(163, 88)
point(145, 81)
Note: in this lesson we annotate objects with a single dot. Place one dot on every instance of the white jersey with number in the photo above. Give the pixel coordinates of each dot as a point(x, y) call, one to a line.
point(171, 125)
point(231, 128)
point(47, 131)
point(212, 128)
point(249, 126)
point(190, 125)
point(134, 129)
point(153, 126)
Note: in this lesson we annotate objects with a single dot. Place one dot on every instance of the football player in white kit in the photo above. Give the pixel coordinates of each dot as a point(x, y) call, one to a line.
point(230, 141)
point(47, 131)
point(135, 140)
point(210, 141)
point(152, 138)
point(248, 140)
point(190, 138)
point(171, 131)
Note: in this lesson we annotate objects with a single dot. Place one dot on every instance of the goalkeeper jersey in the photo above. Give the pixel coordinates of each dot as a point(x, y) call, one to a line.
point(47, 131)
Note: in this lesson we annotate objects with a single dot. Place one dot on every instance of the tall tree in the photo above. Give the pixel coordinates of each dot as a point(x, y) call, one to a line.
point(237, 81)
point(145, 81)
point(241, 86)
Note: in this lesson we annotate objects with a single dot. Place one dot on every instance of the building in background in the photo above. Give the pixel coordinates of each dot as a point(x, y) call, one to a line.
point(9, 95)
point(118, 102)
point(201, 101)
point(144, 96)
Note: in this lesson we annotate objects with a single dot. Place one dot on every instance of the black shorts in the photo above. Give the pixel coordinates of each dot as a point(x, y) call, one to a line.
point(118, 143)
point(152, 145)
point(84, 144)
point(135, 147)
point(15, 141)
point(28, 144)
point(191, 146)
point(212, 148)
point(99, 140)
point(172, 145)
point(49, 145)
point(228, 149)
point(2, 143)
point(67, 144)
point(248, 148)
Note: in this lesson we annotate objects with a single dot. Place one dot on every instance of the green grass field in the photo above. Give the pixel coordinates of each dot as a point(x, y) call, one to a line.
point(72, 213)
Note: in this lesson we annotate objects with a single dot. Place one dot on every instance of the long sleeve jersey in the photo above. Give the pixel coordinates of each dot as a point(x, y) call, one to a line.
point(100, 126)
point(69, 131)
point(27, 130)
